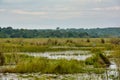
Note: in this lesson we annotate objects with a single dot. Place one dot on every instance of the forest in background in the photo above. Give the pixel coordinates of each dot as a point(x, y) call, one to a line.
point(9, 32)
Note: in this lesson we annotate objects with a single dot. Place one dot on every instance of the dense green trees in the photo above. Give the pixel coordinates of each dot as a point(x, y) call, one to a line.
point(9, 32)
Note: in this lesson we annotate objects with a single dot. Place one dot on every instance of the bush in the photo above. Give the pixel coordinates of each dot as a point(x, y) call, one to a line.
point(102, 41)
point(88, 40)
point(89, 61)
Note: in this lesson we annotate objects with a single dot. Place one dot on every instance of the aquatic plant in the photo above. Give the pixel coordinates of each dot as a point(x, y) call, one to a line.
point(44, 65)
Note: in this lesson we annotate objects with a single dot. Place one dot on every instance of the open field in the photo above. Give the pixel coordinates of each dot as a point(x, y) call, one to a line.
point(59, 58)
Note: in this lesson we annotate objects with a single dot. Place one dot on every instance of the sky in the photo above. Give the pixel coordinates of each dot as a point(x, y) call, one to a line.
point(49, 14)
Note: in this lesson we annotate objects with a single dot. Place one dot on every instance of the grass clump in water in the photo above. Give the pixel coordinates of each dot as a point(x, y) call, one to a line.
point(44, 65)
point(31, 65)
point(98, 60)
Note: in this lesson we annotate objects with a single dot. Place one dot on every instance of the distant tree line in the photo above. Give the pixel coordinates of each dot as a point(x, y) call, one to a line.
point(9, 32)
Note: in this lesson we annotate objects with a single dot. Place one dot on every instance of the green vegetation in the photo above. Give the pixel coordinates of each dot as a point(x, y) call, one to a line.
point(52, 44)
point(9, 32)
point(14, 58)
point(44, 65)
point(102, 41)
point(13, 54)
point(2, 59)
point(99, 60)
point(27, 64)
point(115, 41)
point(116, 56)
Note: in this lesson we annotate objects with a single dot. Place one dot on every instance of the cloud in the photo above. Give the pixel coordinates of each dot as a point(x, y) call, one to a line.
point(56, 13)
point(113, 8)
point(24, 12)
point(15, 1)
point(61, 12)
point(57, 8)
point(64, 15)
point(2, 10)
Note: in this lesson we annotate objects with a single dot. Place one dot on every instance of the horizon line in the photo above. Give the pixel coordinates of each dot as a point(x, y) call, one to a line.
point(60, 28)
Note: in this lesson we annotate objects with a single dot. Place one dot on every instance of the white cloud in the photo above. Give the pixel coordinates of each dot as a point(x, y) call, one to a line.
point(116, 8)
point(2, 10)
point(113, 8)
point(16, 1)
point(45, 12)
point(60, 14)
point(28, 12)
point(65, 15)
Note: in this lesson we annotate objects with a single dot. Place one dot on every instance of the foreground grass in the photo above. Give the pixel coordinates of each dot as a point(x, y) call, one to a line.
point(60, 66)
point(44, 65)
point(50, 66)
point(27, 64)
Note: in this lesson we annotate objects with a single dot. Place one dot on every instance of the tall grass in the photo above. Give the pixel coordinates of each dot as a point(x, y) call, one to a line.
point(14, 58)
point(45, 44)
point(2, 59)
point(99, 60)
point(29, 64)
point(44, 65)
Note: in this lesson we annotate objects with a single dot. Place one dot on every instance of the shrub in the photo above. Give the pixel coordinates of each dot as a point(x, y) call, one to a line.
point(90, 61)
point(102, 41)
point(88, 40)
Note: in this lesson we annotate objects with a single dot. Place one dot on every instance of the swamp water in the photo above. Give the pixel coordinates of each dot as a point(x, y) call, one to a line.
point(110, 74)
point(37, 76)
point(78, 55)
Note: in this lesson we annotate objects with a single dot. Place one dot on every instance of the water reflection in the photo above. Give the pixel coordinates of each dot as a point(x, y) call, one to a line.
point(78, 55)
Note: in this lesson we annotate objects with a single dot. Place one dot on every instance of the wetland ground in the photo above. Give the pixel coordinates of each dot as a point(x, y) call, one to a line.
point(59, 59)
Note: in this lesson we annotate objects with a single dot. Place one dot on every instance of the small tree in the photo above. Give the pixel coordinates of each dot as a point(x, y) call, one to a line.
point(88, 40)
point(102, 41)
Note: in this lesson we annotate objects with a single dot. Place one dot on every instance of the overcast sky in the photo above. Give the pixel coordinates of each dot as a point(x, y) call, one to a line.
point(44, 14)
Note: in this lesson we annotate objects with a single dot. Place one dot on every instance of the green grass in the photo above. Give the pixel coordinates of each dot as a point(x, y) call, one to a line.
point(27, 64)
point(14, 58)
point(46, 44)
point(44, 65)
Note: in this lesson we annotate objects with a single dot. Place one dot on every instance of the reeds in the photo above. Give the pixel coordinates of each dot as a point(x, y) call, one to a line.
point(45, 44)
point(44, 65)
